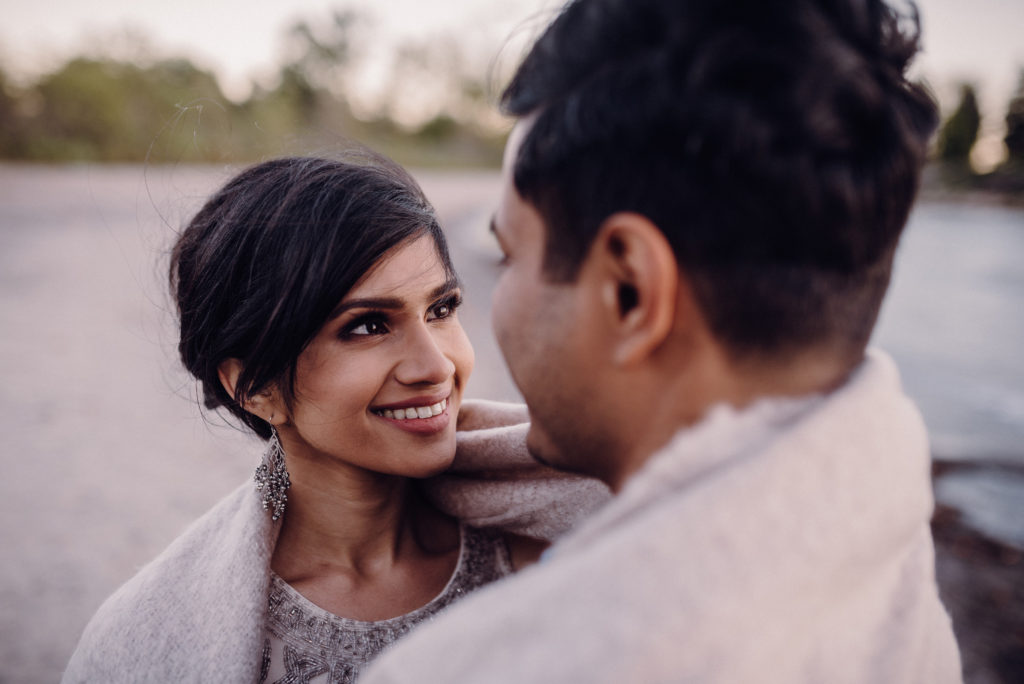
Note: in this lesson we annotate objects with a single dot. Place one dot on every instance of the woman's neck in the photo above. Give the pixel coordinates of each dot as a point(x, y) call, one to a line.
point(360, 544)
point(341, 518)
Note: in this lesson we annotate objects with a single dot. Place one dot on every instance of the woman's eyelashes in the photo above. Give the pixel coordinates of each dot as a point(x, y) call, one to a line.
point(374, 323)
point(446, 307)
point(381, 323)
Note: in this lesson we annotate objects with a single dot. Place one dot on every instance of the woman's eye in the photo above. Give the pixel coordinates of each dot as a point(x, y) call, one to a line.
point(371, 326)
point(446, 308)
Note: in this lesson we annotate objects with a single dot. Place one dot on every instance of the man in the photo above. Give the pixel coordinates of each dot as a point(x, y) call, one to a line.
point(701, 204)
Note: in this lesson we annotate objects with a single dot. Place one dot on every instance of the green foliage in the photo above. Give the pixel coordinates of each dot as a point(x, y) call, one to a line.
point(1015, 125)
point(9, 133)
point(102, 109)
point(960, 130)
point(439, 129)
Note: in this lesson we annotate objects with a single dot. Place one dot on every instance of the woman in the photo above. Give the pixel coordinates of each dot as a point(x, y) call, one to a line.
point(317, 304)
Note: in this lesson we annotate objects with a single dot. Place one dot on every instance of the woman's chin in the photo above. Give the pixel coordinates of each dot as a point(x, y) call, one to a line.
point(430, 467)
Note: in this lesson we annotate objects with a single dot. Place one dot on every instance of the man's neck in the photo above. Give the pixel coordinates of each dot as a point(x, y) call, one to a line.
point(680, 398)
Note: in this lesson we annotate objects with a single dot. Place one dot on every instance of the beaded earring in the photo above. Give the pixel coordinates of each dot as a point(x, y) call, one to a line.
point(272, 477)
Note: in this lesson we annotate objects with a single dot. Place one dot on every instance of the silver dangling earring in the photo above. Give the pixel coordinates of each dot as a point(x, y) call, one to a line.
point(272, 477)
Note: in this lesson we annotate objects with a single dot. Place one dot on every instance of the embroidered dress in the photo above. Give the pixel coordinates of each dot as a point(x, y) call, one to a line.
point(305, 643)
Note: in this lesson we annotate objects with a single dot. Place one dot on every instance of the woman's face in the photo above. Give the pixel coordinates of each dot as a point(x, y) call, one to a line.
point(379, 387)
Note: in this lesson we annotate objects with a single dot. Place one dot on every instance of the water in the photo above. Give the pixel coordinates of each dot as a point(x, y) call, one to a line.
point(106, 459)
point(990, 500)
point(954, 322)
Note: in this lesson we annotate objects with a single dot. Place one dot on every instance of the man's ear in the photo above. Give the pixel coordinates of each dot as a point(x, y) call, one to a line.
point(266, 404)
point(640, 283)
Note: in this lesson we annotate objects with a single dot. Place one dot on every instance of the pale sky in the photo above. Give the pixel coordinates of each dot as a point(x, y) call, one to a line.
point(980, 40)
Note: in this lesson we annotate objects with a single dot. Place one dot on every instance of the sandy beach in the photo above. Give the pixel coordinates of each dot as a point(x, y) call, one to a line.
point(107, 456)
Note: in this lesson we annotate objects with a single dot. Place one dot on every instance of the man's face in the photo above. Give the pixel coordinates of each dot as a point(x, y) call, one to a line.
point(542, 331)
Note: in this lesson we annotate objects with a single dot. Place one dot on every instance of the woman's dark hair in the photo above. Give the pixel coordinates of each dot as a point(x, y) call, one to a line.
point(259, 269)
point(777, 143)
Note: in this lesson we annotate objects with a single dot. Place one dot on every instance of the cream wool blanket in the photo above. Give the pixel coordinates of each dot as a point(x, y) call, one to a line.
point(197, 612)
point(788, 542)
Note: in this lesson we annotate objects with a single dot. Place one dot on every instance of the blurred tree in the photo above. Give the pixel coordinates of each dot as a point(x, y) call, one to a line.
point(119, 104)
point(960, 131)
point(1008, 178)
point(197, 119)
point(1015, 125)
point(9, 134)
point(80, 112)
point(308, 99)
point(98, 109)
point(291, 105)
point(322, 56)
point(441, 128)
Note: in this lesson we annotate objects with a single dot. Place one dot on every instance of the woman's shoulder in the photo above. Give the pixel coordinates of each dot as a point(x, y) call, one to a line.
point(209, 541)
point(213, 574)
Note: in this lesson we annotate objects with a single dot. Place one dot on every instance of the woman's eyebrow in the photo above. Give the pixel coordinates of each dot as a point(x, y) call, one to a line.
point(446, 287)
point(390, 303)
point(393, 303)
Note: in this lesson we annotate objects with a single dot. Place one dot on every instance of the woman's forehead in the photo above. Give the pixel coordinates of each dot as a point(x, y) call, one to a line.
point(407, 270)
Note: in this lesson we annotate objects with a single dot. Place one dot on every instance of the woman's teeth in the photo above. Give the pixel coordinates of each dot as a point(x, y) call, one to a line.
point(415, 411)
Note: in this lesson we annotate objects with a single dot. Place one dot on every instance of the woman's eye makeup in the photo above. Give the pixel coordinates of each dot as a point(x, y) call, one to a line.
point(447, 306)
point(365, 325)
point(373, 323)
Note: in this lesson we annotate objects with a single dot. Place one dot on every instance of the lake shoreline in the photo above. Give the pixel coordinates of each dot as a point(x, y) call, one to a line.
point(974, 198)
point(932, 191)
point(980, 582)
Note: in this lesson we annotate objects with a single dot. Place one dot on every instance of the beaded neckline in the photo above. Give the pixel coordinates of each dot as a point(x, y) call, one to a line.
point(312, 639)
point(277, 584)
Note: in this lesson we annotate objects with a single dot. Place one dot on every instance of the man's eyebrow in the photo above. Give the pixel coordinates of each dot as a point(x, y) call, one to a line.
point(494, 227)
point(496, 233)
point(393, 303)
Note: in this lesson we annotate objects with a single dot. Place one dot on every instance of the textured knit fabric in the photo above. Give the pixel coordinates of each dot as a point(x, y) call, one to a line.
point(197, 613)
point(494, 482)
point(788, 542)
point(306, 643)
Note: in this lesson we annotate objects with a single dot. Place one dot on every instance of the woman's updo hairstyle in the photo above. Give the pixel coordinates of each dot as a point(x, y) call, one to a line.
point(260, 268)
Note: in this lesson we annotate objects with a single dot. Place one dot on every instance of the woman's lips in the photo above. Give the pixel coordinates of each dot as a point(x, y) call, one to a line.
point(422, 419)
point(411, 410)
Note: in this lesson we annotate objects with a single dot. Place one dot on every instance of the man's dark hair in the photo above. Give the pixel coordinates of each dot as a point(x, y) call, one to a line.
point(776, 143)
point(260, 268)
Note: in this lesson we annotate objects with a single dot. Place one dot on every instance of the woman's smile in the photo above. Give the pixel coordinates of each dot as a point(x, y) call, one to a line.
point(420, 415)
point(417, 417)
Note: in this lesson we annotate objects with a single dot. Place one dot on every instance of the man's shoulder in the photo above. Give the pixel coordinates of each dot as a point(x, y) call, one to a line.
point(555, 621)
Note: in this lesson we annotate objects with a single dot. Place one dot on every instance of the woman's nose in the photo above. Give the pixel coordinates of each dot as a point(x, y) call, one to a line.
point(424, 359)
